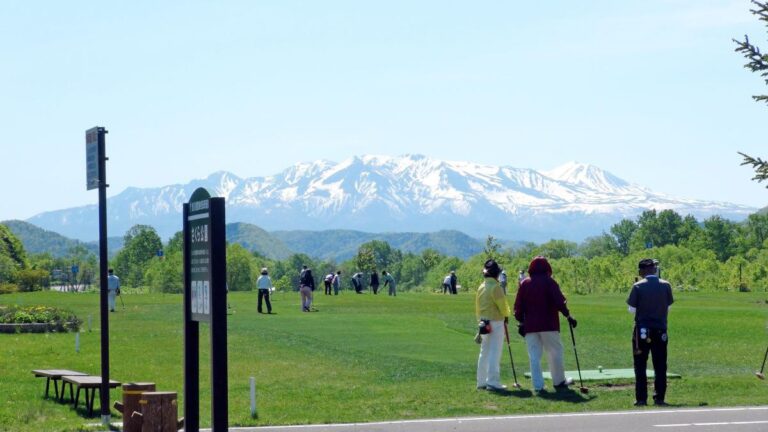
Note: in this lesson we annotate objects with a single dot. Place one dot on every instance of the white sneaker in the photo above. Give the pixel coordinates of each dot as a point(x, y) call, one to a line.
point(496, 387)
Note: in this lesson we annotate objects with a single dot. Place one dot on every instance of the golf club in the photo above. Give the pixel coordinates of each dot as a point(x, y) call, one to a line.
point(762, 368)
point(121, 300)
point(573, 340)
point(511, 360)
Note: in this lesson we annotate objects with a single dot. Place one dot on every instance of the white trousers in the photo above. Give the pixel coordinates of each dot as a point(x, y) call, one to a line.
point(550, 342)
point(490, 355)
point(111, 299)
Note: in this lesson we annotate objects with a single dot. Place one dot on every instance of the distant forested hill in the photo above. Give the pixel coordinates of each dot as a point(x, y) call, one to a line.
point(337, 245)
point(341, 245)
point(37, 240)
point(256, 239)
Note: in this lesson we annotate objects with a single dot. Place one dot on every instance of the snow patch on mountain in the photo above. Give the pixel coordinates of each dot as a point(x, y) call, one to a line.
point(401, 193)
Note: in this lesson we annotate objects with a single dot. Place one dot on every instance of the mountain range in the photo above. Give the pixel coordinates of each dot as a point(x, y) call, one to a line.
point(400, 193)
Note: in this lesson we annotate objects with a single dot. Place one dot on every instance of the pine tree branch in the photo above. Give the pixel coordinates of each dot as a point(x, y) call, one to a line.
point(757, 61)
point(760, 166)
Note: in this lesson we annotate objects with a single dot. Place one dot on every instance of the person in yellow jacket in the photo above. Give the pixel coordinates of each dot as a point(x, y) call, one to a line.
point(492, 311)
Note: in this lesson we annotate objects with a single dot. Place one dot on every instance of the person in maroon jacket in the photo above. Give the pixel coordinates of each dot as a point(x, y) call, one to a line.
point(537, 304)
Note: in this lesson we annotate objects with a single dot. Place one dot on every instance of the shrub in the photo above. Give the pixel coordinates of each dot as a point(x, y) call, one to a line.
point(59, 319)
point(31, 279)
point(8, 288)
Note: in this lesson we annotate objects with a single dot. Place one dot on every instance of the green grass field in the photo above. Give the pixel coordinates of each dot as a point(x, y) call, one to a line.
point(365, 358)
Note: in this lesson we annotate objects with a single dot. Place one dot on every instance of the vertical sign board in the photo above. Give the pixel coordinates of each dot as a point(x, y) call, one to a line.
point(205, 272)
point(92, 158)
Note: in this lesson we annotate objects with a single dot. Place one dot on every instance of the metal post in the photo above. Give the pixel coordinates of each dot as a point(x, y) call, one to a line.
point(219, 393)
point(191, 344)
point(103, 264)
point(253, 397)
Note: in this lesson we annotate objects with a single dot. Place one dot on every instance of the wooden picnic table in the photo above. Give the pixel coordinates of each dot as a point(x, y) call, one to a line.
point(87, 382)
point(55, 375)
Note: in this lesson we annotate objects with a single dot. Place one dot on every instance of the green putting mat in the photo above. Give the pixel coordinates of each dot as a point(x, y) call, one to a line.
point(604, 374)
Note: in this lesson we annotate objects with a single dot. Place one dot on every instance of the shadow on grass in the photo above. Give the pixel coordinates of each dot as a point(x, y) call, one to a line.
point(569, 395)
point(518, 393)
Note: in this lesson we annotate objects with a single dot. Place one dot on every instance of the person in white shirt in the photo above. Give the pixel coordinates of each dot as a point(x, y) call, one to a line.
point(113, 289)
point(336, 282)
point(264, 284)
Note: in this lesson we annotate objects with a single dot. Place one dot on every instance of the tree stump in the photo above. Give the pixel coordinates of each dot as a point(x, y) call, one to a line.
point(158, 412)
point(132, 393)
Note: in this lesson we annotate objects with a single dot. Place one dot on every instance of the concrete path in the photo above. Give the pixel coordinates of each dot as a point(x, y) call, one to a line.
point(740, 419)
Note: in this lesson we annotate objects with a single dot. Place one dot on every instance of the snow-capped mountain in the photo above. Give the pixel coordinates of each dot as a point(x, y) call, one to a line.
point(403, 193)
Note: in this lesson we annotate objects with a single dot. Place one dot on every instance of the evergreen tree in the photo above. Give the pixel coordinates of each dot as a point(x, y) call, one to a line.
point(757, 62)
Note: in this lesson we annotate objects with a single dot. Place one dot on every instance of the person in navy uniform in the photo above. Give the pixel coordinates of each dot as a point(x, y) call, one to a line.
point(650, 300)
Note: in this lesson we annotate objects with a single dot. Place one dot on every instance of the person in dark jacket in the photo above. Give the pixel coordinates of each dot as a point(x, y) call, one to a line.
point(306, 287)
point(454, 282)
point(357, 282)
point(537, 304)
point(650, 300)
point(375, 281)
point(327, 281)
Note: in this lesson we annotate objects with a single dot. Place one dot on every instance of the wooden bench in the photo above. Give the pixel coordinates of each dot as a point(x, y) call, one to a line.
point(55, 375)
point(87, 382)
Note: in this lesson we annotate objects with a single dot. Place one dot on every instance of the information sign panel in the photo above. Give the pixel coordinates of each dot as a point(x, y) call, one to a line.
point(92, 158)
point(200, 255)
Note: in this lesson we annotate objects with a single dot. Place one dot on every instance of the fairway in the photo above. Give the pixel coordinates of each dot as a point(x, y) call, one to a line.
point(372, 358)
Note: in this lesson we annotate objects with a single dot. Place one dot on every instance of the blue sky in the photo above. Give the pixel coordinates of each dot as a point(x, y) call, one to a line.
point(651, 91)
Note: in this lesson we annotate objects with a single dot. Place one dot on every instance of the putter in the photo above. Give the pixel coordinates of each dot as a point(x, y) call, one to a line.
point(121, 300)
point(762, 368)
point(511, 360)
point(582, 389)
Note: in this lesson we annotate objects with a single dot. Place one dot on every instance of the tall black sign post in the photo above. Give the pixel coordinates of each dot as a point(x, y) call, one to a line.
point(205, 300)
point(96, 177)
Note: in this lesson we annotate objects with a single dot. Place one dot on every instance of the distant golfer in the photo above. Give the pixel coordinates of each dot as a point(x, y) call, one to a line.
point(328, 281)
point(447, 284)
point(306, 287)
point(389, 281)
point(503, 281)
point(336, 282)
point(264, 284)
point(113, 289)
point(357, 282)
point(374, 282)
point(650, 300)
point(492, 311)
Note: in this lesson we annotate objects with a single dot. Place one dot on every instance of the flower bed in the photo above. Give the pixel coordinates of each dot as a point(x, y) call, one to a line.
point(37, 319)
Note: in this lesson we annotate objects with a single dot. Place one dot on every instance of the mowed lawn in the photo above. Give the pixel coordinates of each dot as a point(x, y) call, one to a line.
point(365, 358)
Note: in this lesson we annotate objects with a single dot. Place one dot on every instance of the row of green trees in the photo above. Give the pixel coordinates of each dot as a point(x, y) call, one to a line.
point(715, 254)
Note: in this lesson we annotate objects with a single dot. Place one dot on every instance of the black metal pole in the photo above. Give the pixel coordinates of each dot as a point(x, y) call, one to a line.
point(103, 264)
point(191, 343)
point(219, 380)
